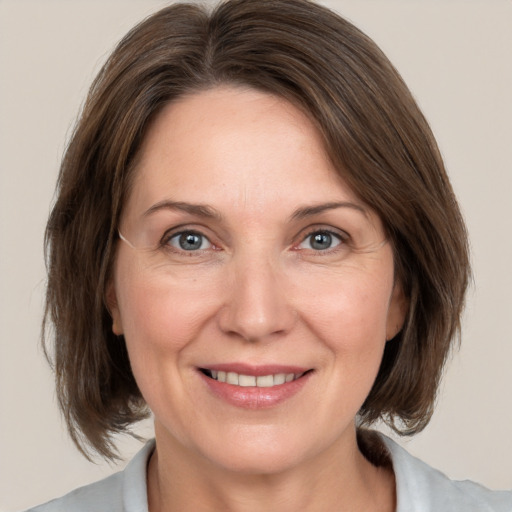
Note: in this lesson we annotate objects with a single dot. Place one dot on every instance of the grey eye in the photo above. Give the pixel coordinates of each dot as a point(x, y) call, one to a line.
point(189, 241)
point(320, 241)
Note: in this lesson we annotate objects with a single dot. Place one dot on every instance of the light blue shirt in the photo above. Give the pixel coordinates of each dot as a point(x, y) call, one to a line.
point(419, 488)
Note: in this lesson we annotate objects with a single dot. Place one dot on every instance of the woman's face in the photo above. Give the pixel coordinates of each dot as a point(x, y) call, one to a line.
point(249, 260)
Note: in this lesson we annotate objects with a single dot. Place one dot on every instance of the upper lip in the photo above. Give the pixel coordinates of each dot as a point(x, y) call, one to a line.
point(256, 370)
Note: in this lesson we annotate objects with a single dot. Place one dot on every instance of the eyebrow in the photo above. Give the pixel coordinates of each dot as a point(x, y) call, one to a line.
point(200, 210)
point(308, 211)
point(203, 210)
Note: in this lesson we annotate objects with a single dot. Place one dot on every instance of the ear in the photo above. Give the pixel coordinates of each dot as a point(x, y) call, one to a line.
point(397, 311)
point(113, 308)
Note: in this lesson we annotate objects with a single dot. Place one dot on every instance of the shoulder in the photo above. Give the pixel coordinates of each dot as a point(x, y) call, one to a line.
point(105, 495)
point(419, 484)
point(121, 492)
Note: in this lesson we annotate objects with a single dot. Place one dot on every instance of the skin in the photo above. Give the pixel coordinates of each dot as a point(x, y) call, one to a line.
point(256, 292)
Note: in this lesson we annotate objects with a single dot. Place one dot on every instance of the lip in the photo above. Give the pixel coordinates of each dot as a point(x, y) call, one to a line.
point(255, 397)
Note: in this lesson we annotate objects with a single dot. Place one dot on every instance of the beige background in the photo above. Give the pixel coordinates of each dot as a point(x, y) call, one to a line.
point(456, 56)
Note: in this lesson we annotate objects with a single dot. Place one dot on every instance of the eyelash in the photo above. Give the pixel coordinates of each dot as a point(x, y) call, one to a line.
point(342, 239)
point(168, 236)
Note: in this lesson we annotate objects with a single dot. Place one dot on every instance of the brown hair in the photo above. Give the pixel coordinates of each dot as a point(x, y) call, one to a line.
point(373, 131)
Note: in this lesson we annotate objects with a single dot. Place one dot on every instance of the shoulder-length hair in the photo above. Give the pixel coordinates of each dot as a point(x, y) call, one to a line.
point(373, 131)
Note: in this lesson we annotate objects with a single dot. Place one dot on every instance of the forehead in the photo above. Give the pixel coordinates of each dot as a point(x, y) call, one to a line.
point(236, 145)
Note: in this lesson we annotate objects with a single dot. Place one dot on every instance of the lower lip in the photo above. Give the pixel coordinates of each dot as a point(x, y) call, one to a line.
point(254, 397)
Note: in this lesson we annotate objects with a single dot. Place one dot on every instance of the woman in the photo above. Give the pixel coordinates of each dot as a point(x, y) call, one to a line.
point(255, 238)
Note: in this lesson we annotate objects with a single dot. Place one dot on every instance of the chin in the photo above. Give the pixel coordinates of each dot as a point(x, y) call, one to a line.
point(260, 451)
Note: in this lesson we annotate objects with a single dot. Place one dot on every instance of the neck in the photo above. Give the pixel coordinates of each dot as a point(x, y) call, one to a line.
point(341, 479)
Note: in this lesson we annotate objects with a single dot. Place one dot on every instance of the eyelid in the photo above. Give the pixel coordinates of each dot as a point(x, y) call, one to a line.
point(342, 236)
point(322, 228)
point(177, 237)
point(180, 230)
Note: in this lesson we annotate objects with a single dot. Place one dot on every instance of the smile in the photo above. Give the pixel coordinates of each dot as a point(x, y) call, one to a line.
point(260, 381)
point(254, 387)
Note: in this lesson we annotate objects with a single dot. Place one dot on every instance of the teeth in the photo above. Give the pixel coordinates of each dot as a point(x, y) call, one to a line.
point(246, 380)
point(280, 378)
point(232, 378)
point(263, 381)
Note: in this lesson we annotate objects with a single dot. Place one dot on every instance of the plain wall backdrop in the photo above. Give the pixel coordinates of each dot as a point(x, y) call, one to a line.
point(456, 56)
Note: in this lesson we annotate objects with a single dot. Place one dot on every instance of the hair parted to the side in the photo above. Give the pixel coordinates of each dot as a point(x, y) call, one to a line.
point(373, 131)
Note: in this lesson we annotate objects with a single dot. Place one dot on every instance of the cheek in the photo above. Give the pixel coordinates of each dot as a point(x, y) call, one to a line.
point(349, 310)
point(159, 314)
point(348, 315)
point(160, 322)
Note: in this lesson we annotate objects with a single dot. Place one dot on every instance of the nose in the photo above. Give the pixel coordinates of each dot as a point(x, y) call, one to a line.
point(256, 306)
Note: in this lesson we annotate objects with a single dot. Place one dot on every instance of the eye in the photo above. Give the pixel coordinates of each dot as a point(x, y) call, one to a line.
point(189, 241)
point(321, 241)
